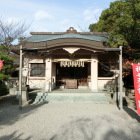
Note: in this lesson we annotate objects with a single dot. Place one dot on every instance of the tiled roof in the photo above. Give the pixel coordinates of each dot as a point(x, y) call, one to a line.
point(42, 38)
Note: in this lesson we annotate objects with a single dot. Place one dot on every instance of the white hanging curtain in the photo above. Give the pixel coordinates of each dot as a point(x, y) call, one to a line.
point(72, 64)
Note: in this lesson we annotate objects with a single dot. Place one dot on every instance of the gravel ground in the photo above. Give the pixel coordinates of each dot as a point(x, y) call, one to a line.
point(68, 121)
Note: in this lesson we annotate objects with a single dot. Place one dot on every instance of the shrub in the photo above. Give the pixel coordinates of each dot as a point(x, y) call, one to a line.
point(3, 89)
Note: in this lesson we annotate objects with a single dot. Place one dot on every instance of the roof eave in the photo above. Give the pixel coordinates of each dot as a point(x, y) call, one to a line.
point(112, 49)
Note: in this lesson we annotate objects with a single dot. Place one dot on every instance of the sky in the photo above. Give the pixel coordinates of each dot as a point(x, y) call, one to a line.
point(53, 15)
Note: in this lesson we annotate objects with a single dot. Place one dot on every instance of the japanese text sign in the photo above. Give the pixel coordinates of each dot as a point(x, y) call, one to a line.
point(136, 77)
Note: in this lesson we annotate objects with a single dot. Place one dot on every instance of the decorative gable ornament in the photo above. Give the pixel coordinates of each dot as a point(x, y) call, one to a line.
point(71, 50)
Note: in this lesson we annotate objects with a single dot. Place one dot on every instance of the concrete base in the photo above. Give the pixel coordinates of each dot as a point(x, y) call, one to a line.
point(25, 97)
point(13, 91)
point(26, 103)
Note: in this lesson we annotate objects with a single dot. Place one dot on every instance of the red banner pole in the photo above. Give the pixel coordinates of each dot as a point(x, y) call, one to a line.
point(136, 77)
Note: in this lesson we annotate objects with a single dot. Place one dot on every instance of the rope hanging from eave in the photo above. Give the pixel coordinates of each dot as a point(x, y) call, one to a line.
point(72, 64)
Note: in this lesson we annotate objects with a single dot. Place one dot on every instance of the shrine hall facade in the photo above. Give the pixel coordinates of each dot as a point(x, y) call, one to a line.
point(71, 60)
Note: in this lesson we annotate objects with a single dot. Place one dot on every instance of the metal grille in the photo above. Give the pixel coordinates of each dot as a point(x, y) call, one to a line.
point(38, 69)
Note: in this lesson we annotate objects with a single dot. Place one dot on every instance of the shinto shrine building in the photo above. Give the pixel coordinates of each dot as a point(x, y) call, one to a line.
point(69, 59)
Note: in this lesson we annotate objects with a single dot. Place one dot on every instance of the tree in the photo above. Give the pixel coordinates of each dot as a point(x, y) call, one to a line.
point(7, 68)
point(122, 21)
point(9, 32)
point(5, 73)
point(2, 50)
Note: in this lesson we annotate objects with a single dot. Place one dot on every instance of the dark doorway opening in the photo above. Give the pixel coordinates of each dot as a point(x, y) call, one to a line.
point(64, 74)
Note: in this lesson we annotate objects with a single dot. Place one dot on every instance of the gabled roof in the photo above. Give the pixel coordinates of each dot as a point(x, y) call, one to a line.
point(41, 38)
point(70, 33)
point(71, 38)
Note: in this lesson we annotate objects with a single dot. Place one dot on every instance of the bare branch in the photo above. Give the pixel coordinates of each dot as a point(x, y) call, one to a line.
point(85, 30)
point(10, 31)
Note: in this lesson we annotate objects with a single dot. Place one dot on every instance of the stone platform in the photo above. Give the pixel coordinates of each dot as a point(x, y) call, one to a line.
point(72, 96)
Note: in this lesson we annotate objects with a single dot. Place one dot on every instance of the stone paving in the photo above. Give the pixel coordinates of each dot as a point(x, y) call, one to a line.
point(68, 121)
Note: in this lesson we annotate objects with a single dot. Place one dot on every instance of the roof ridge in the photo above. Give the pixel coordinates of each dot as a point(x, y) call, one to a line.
point(63, 33)
point(71, 30)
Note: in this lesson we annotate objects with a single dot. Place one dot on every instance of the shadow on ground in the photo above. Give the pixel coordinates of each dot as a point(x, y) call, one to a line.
point(14, 136)
point(132, 113)
point(10, 112)
point(101, 128)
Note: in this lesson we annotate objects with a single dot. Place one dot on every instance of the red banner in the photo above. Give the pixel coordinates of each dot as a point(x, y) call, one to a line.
point(136, 77)
point(1, 64)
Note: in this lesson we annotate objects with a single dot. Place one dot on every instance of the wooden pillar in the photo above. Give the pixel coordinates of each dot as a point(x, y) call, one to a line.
point(48, 86)
point(120, 82)
point(94, 73)
point(53, 75)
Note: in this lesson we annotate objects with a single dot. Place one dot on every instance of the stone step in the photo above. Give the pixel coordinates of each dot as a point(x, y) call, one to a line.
point(72, 98)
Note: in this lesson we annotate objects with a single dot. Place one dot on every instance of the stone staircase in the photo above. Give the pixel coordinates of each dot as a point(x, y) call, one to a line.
point(41, 97)
point(72, 97)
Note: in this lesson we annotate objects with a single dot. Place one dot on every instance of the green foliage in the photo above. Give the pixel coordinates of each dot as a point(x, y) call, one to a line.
point(2, 50)
point(122, 21)
point(7, 68)
point(3, 89)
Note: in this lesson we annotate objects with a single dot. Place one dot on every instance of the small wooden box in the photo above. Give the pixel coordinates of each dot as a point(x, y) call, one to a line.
point(71, 83)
